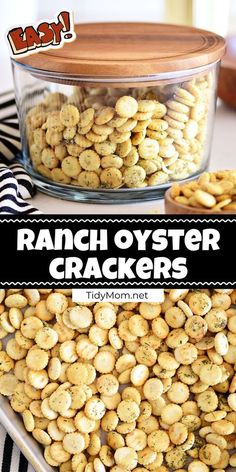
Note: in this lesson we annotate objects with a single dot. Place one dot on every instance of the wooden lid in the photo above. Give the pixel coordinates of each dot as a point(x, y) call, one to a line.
point(129, 50)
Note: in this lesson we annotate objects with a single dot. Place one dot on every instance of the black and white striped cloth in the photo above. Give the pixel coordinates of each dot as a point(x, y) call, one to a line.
point(15, 184)
point(11, 459)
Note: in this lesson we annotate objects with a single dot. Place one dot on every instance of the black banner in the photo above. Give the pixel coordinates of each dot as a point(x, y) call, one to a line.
point(105, 251)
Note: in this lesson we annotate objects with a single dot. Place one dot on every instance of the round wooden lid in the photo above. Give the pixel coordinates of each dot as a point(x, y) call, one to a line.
point(129, 50)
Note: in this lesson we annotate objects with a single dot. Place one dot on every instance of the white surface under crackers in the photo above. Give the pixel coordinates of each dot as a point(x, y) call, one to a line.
point(223, 156)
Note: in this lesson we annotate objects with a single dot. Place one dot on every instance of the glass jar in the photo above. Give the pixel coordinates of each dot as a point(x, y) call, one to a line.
point(120, 113)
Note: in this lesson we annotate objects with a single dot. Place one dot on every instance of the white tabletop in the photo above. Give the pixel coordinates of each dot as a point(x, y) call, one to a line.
point(223, 156)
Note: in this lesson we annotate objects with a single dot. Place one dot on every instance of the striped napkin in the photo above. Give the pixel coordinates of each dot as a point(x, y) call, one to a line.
point(11, 459)
point(15, 184)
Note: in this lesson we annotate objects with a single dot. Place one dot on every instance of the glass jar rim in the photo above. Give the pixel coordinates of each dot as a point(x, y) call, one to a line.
point(100, 81)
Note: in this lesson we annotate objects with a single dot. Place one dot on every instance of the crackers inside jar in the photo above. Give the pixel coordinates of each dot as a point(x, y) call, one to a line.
point(164, 125)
